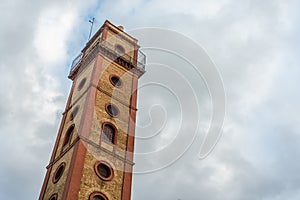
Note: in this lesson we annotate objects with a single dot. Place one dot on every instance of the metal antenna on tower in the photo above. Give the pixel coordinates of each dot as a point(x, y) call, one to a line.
point(92, 22)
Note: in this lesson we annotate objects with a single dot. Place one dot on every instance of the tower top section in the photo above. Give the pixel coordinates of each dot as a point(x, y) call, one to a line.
point(113, 42)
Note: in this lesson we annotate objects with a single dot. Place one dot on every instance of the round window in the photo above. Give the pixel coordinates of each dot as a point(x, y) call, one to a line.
point(104, 171)
point(69, 135)
point(112, 110)
point(98, 196)
point(58, 173)
point(116, 81)
point(81, 84)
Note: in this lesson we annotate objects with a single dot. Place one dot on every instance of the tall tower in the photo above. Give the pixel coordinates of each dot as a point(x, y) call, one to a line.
point(93, 155)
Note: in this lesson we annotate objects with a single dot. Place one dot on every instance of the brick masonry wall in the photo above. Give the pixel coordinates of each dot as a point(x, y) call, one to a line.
point(113, 155)
point(59, 186)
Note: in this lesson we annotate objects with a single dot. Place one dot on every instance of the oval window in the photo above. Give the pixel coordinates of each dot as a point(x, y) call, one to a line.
point(59, 172)
point(116, 81)
point(81, 84)
point(98, 196)
point(104, 170)
point(119, 49)
point(112, 110)
point(69, 134)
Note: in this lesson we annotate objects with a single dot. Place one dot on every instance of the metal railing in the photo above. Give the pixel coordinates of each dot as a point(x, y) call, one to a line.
point(76, 61)
point(139, 63)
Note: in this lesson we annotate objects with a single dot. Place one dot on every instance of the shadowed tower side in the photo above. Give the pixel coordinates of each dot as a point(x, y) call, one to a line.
point(93, 154)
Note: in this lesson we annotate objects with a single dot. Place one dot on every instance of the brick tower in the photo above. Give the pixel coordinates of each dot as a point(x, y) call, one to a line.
point(93, 155)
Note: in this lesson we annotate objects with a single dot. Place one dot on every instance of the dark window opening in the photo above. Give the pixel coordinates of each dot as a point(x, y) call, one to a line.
point(74, 113)
point(68, 136)
point(58, 173)
point(98, 197)
point(112, 110)
point(53, 197)
point(81, 84)
point(119, 49)
point(104, 170)
point(116, 81)
point(108, 133)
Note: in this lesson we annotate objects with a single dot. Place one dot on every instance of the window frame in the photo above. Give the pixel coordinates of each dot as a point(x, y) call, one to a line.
point(97, 194)
point(114, 84)
point(68, 136)
point(111, 114)
point(56, 179)
point(107, 165)
point(55, 195)
point(114, 134)
point(81, 84)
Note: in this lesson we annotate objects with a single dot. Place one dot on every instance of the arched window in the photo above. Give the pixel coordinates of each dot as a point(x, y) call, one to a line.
point(53, 197)
point(108, 133)
point(68, 135)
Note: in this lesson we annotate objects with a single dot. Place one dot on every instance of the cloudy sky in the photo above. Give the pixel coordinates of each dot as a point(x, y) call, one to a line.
point(255, 46)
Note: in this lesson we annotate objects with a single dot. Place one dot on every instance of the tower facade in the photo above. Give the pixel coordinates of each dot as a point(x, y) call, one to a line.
point(93, 155)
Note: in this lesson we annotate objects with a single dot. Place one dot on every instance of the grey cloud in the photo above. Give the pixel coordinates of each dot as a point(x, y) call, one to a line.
point(28, 102)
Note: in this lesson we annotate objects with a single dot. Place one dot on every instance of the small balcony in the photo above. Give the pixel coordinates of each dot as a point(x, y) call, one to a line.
point(76, 62)
point(110, 50)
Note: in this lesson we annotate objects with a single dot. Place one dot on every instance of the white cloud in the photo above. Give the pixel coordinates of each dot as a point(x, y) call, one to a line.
point(53, 30)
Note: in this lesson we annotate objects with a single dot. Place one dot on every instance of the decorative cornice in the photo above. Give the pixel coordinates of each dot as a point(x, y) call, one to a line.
point(78, 138)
